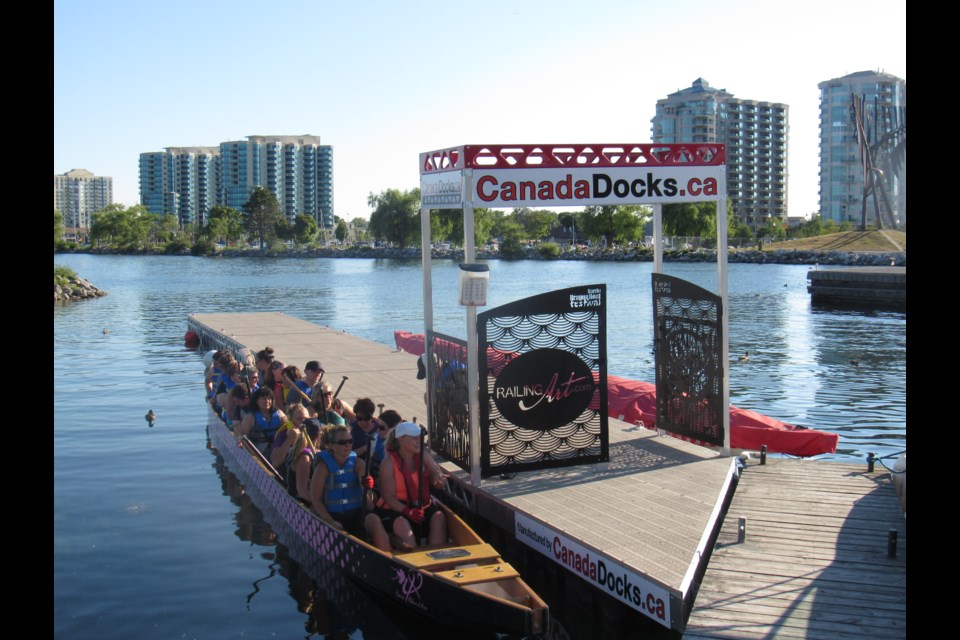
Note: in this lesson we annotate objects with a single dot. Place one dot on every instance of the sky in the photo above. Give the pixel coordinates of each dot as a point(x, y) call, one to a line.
point(383, 81)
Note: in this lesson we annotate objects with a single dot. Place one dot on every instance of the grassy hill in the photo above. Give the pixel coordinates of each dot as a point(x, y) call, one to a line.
point(872, 240)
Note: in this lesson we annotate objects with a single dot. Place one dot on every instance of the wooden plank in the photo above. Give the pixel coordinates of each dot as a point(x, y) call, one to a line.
point(485, 573)
point(475, 553)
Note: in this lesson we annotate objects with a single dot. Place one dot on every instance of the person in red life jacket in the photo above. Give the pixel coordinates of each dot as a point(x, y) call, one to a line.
point(405, 507)
point(339, 478)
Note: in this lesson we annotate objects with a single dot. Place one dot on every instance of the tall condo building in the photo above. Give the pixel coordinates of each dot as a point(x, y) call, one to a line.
point(188, 181)
point(182, 181)
point(77, 194)
point(841, 172)
point(755, 135)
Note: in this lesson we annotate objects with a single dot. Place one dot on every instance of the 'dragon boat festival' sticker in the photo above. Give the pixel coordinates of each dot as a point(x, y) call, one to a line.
point(543, 389)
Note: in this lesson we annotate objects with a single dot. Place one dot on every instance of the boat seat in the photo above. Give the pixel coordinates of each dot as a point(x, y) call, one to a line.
point(483, 573)
point(449, 556)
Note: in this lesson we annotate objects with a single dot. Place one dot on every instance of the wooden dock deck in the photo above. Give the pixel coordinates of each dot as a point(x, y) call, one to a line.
point(635, 529)
point(813, 563)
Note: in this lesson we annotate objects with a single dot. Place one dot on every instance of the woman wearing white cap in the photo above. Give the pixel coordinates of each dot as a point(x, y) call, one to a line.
point(404, 504)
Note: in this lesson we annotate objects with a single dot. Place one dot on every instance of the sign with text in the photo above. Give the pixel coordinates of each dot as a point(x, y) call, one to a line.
point(577, 187)
point(624, 584)
point(543, 381)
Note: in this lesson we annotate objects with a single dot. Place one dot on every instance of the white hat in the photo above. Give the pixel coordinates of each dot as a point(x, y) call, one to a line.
point(208, 358)
point(407, 429)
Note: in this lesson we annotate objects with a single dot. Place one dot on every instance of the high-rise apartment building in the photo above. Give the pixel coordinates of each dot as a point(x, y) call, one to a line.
point(77, 194)
point(181, 181)
point(841, 171)
point(298, 170)
point(755, 135)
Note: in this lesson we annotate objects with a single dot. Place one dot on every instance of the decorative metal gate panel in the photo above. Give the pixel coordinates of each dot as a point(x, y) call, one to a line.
point(543, 381)
point(687, 344)
point(448, 424)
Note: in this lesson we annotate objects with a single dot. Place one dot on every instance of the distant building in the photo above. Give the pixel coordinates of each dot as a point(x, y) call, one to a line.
point(755, 135)
point(77, 194)
point(181, 181)
point(841, 172)
point(188, 181)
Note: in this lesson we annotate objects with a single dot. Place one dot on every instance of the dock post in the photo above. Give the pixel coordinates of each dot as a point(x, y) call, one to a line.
point(892, 543)
point(763, 454)
point(870, 460)
point(741, 529)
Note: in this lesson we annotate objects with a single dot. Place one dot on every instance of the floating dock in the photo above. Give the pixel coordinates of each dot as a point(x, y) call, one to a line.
point(631, 537)
point(859, 286)
point(822, 555)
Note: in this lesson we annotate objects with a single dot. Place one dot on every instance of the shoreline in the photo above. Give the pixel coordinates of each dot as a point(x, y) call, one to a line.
point(775, 256)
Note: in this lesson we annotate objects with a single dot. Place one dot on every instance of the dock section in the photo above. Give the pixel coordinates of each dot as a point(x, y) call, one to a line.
point(817, 558)
point(861, 286)
point(635, 532)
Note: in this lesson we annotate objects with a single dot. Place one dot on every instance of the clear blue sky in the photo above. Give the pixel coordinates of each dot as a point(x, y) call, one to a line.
point(382, 81)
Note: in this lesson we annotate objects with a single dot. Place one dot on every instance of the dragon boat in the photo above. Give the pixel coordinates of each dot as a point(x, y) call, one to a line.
point(463, 583)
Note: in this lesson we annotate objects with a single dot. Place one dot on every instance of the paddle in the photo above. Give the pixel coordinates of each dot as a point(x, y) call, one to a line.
point(416, 502)
point(251, 448)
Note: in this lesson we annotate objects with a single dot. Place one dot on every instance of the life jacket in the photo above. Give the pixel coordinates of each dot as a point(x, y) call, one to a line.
point(215, 381)
point(406, 482)
point(342, 491)
point(264, 431)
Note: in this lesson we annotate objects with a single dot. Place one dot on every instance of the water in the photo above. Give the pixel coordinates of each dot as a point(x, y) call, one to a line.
point(151, 540)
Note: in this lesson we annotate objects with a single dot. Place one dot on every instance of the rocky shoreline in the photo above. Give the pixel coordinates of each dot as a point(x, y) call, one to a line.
point(776, 256)
point(76, 289)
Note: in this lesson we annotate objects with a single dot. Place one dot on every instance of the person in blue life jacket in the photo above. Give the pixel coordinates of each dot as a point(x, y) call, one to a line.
point(339, 480)
point(261, 424)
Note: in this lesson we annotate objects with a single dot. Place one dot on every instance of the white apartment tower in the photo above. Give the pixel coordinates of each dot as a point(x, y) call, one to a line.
point(755, 135)
point(841, 172)
point(77, 194)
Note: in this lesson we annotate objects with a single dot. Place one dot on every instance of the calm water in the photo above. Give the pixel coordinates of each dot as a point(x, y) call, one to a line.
point(152, 540)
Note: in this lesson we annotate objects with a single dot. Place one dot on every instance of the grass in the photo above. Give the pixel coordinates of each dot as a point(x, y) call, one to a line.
point(872, 240)
point(62, 274)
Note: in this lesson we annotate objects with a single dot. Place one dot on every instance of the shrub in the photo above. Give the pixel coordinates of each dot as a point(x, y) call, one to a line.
point(175, 247)
point(63, 275)
point(549, 250)
point(202, 248)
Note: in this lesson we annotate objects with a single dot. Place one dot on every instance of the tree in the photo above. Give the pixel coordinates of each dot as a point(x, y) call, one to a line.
point(164, 229)
point(57, 227)
point(304, 229)
point(614, 223)
point(262, 214)
point(118, 226)
point(536, 223)
point(225, 223)
point(396, 216)
point(342, 230)
point(483, 222)
point(695, 219)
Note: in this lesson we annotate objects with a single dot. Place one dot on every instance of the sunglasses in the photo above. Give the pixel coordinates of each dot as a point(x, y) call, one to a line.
point(363, 418)
point(342, 442)
point(382, 427)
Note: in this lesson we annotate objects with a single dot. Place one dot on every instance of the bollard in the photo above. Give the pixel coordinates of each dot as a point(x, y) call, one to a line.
point(763, 454)
point(741, 529)
point(870, 460)
point(892, 543)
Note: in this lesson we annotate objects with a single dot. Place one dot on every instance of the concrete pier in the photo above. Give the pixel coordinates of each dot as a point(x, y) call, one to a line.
point(859, 286)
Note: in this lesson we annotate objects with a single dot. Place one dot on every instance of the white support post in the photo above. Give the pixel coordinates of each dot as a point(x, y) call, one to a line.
point(725, 315)
point(473, 362)
point(426, 261)
point(658, 238)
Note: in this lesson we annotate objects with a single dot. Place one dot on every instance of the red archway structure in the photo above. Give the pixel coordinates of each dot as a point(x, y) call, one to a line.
point(565, 175)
